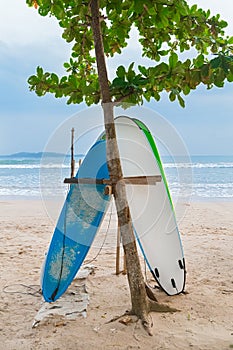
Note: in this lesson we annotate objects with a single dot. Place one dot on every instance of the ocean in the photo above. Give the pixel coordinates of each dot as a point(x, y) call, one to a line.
point(30, 177)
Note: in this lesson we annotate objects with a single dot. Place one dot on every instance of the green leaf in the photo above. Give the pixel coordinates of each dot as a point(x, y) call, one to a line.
point(187, 63)
point(172, 96)
point(58, 93)
point(230, 77)
point(39, 71)
point(231, 68)
point(63, 80)
point(121, 72)
point(143, 70)
point(230, 40)
point(118, 83)
point(181, 101)
point(130, 75)
point(147, 96)
point(44, 10)
point(58, 10)
point(195, 79)
point(186, 90)
point(193, 9)
point(162, 68)
point(215, 63)
point(164, 21)
point(131, 67)
point(205, 71)
point(33, 80)
point(199, 61)
point(219, 78)
point(183, 8)
point(173, 59)
point(156, 96)
point(138, 6)
point(54, 79)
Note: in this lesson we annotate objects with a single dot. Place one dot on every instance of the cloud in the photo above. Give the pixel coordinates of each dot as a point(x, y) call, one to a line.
point(26, 119)
point(28, 40)
point(20, 24)
point(205, 123)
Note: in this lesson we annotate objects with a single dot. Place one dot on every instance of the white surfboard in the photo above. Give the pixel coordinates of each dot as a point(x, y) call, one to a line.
point(151, 207)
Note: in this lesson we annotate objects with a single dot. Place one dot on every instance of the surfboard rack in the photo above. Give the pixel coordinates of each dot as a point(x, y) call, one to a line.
point(132, 180)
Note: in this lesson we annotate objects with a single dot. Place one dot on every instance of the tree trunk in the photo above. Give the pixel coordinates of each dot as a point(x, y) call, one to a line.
point(134, 274)
point(140, 304)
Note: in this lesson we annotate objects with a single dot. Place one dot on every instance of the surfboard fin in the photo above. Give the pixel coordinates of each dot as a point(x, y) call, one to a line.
point(181, 264)
point(173, 283)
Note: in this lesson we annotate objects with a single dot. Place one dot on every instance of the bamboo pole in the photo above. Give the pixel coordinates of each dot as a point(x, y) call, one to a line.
point(72, 162)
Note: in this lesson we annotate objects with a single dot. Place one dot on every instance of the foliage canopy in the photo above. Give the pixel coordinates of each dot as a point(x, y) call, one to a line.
point(167, 28)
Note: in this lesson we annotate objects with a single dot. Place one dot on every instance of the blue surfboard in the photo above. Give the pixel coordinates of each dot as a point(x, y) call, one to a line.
point(79, 221)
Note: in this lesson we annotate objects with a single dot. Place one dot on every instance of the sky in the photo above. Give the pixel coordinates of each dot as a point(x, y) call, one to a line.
point(27, 121)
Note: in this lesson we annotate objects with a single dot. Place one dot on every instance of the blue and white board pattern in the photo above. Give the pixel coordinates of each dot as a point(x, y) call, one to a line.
point(79, 221)
point(151, 207)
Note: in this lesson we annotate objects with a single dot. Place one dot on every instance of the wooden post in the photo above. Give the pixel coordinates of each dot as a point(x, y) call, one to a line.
point(108, 190)
point(118, 256)
point(137, 180)
point(72, 162)
point(118, 251)
point(124, 266)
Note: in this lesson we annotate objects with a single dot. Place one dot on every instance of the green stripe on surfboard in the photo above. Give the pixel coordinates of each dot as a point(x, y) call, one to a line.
point(151, 141)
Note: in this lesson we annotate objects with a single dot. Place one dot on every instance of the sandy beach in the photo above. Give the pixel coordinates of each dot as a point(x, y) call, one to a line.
point(205, 320)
